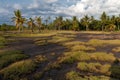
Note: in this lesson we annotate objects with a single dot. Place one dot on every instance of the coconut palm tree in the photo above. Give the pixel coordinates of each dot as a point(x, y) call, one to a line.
point(18, 19)
point(31, 24)
point(103, 19)
point(39, 22)
point(75, 24)
point(85, 22)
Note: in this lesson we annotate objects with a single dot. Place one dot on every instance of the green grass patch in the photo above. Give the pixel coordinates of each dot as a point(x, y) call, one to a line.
point(97, 42)
point(9, 57)
point(16, 70)
point(73, 75)
point(82, 48)
point(104, 57)
point(115, 71)
point(2, 42)
point(94, 68)
point(71, 57)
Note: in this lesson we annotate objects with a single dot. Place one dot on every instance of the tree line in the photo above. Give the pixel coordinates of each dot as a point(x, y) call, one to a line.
point(104, 23)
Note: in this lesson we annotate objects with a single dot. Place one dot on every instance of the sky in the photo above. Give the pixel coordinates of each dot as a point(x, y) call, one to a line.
point(53, 8)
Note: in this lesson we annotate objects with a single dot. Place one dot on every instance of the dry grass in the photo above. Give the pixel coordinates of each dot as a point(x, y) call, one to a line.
point(94, 68)
point(40, 58)
point(71, 57)
point(16, 70)
point(97, 42)
point(104, 57)
point(117, 49)
point(82, 48)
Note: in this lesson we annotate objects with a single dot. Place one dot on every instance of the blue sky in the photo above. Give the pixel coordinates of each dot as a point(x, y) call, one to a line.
point(53, 8)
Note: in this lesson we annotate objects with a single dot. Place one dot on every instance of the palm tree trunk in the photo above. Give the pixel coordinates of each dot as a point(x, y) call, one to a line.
point(87, 28)
point(102, 28)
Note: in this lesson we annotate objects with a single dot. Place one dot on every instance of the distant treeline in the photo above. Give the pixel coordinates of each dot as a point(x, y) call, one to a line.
point(104, 23)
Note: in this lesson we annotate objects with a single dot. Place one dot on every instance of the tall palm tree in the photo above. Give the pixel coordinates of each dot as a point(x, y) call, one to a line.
point(39, 22)
point(31, 24)
point(18, 19)
point(103, 19)
point(75, 23)
point(85, 22)
point(22, 21)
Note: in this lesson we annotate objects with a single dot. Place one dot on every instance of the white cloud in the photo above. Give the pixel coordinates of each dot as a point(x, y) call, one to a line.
point(92, 7)
point(35, 4)
point(50, 1)
point(17, 6)
point(3, 11)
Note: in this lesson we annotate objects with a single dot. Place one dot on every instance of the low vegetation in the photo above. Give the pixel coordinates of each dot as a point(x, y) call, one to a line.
point(9, 57)
point(117, 49)
point(73, 75)
point(40, 59)
point(2, 41)
point(18, 70)
point(102, 43)
point(94, 68)
point(104, 57)
point(82, 48)
point(71, 57)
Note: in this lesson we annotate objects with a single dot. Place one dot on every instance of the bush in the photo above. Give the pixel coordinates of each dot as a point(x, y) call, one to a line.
point(18, 69)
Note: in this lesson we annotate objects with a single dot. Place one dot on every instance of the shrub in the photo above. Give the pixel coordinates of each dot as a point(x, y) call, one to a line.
point(16, 70)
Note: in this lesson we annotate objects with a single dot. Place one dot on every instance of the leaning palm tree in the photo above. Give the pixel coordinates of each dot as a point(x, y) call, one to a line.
point(18, 19)
point(39, 22)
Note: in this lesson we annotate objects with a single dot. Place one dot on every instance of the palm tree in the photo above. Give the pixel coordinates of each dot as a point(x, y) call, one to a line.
point(75, 23)
point(18, 19)
point(103, 19)
point(85, 22)
point(22, 21)
point(118, 23)
point(31, 24)
point(39, 22)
